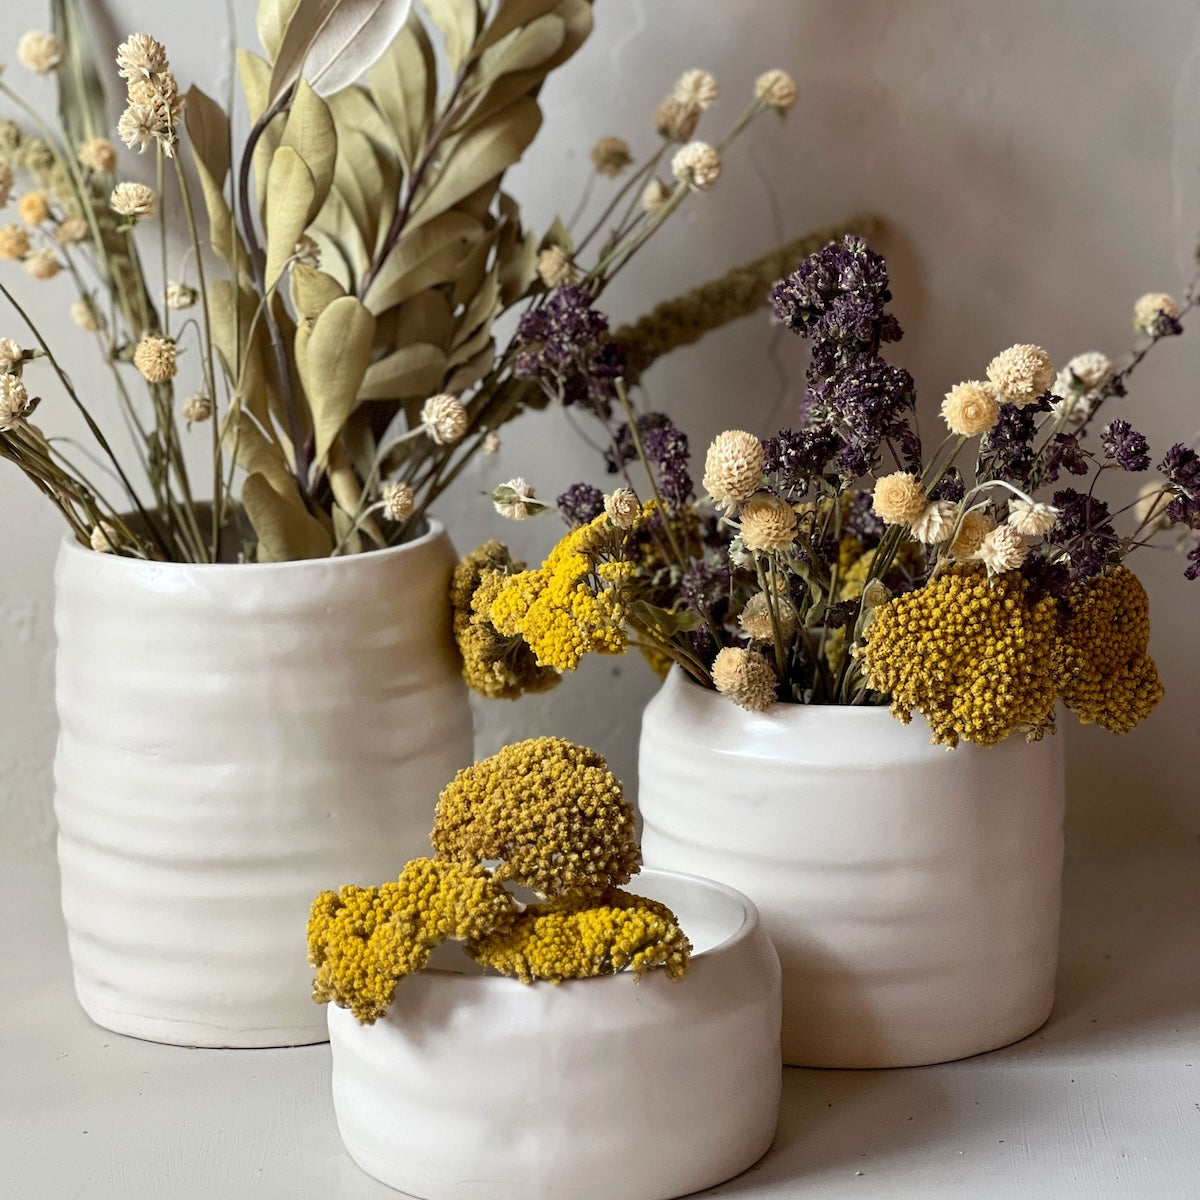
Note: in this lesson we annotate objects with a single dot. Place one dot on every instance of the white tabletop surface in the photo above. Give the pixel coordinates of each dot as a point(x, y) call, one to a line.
point(1103, 1103)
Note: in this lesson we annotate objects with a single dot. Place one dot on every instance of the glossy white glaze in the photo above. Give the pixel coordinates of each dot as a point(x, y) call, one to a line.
point(235, 739)
point(912, 892)
point(476, 1087)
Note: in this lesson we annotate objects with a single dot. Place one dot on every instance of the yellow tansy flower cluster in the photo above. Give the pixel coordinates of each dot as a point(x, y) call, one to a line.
point(549, 813)
point(1105, 675)
point(974, 656)
point(497, 666)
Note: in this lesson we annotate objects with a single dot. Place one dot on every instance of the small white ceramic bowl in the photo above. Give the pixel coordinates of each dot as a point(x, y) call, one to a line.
point(476, 1087)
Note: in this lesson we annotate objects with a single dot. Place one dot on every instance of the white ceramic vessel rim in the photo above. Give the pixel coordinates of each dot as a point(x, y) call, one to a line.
point(744, 930)
point(117, 562)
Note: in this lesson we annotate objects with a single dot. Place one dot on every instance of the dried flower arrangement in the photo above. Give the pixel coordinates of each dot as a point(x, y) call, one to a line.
point(545, 815)
point(836, 564)
point(347, 361)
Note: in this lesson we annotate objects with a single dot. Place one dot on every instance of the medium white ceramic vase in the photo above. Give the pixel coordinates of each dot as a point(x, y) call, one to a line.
point(233, 740)
point(913, 892)
point(476, 1087)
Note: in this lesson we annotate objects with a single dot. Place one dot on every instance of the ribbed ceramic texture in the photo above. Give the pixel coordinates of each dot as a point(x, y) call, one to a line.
point(912, 892)
point(476, 1087)
point(233, 740)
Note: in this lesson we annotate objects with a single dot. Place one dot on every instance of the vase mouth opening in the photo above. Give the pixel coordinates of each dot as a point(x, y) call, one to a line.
point(679, 678)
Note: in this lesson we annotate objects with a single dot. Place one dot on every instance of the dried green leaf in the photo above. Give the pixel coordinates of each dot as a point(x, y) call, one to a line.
point(82, 108)
point(459, 22)
point(309, 130)
point(404, 84)
point(471, 371)
point(525, 49)
point(290, 196)
point(414, 370)
point(480, 312)
point(665, 623)
point(351, 42)
point(208, 135)
point(232, 312)
point(273, 19)
point(337, 232)
point(425, 257)
point(255, 75)
point(313, 291)
point(425, 318)
point(511, 15)
point(286, 529)
point(256, 453)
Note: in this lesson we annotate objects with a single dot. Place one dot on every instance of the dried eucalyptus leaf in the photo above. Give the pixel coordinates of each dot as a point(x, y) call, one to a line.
point(286, 529)
point(313, 291)
point(257, 384)
point(525, 49)
point(273, 19)
point(299, 35)
point(336, 228)
point(472, 371)
point(255, 75)
point(347, 491)
point(465, 351)
point(662, 621)
point(290, 196)
point(81, 104)
point(355, 108)
point(511, 15)
point(350, 43)
point(576, 16)
point(364, 185)
point(472, 272)
point(404, 84)
point(481, 310)
point(459, 22)
point(425, 257)
point(310, 131)
point(256, 453)
point(425, 318)
point(333, 365)
point(208, 134)
point(414, 370)
point(347, 537)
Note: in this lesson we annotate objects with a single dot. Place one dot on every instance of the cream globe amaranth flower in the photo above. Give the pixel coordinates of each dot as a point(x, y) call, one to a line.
point(14, 401)
point(1002, 549)
point(399, 501)
point(972, 529)
point(83, 313)
point(654, 195)
point(1077, 387)
point(516, 500)
point(98, 154)
point(733, 467)
point(696, 88)
point(623, 508)
point(181, 296)
point(73, 230)
point(899, 498)
point(675, 120)
point(491, 443)
point(698, 165)
point(43, 264)
point(140, 56)
point(768, 524)
point(104, 538)
point(746, 677)
point(755, 618)
point(444, 419)
point(554, 267)
point(33, 208)
point(936, 524)
point(1151, 308)
point(611, 155)
point(154, 358)
point(1022, 374)
point(14, 242)
point(1030, 518)
point(971, 409)
point(39, 52)
point(197, 409)
point(11, 356)
point(133, 200)
point(776, 89)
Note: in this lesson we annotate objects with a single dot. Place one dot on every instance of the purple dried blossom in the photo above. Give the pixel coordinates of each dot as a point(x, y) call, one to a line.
point(862, 522)
point(1065, 454)
point(1007, 449)
point(794, 457)
point(949, 487)
point(580, 503)
point(1083, 534)
point(1046, 577)
point(1181, 465)
point(1193, 569)
point(1125, 446)
point(666, 447)
point(704, 586)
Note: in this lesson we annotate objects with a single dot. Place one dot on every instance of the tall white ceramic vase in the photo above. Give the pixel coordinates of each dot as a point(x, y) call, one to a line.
point(913, 892)
point(233, 740)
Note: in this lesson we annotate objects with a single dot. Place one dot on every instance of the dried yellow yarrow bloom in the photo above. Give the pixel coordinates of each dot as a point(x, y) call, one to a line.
point(180, 296)
point(363, 941)
point(610, 155)
point(776, 89)
point(623, 508)
point(132, 200)
point(654, 196)
point(1031, 519)
point(676, 121)
point(733, 467)
point(40, 52)
point(98, 154)
point(1105, 675)
point(899, 499)
point(14, 242)
point(154, 357)
point(399, 500)
point(974, 528)
point(973, 655)
point(555, 267)
point(548, 812)
point(936, 524)
point(444, 418)
point(1151, 308)
point(696, 88)
point(971, 409)
point(197, 409)
point(768, 524)
point(1022, 374)
point(73, 230)
point(33, 208)
point(1002, 549)
point(14, 401)
point(698, 165)
point(6, 183)
point(582, 939)
point(746, 677)
point(83, 313)
point(42, 264)
point(755, 618)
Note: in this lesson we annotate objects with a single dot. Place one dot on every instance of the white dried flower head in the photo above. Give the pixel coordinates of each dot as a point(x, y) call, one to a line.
point(14, 242)
point(768, 524)
point(1031, 519)
point(610, 156)
point(307, 251)
point(14, 401)
point(73, 230)
point(899, 498)
point(34, 208)
point(104, 538)
point(623, 508)
point(975, 526)
point(733, 467)
point(40, 52)
point(6, 182)
point(1150, 309)
point(746, 677)
point(1002, 549)
point(180, 296)
point(83, 313)
point(98, 154)
point(1074, 409)
point(197, 408)
point(776, 89)
point(555, 267)
point(515, 500)
point(43, 264)
point(399, 500)
point(698, 165)
point(1152, 503)
point(444, 418)
point(140, 56)
point(139, 126)
point(676, 121)
point(491, 443)
point(11, 356)
point(936, 524)
point(133, 200)
point(1021, 374)
point(696, 88)
point(971, 409)
point(654, 196)
point(154, 357)
point(755, 618)
point(1085, 373)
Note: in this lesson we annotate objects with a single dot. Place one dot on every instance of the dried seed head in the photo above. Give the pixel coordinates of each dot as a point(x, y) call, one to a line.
point(398, 501)
point(1021, 374)
point(444, 418)
point(610, 155)
point(154, 357)
point(39, 52)
point(733, 467)
point(746, 677)
point(899, 498)
point(776, 89)
point(698, 165)
point(971, 409)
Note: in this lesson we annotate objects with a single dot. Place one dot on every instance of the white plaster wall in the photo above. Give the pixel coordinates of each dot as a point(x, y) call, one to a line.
point(1038, 168)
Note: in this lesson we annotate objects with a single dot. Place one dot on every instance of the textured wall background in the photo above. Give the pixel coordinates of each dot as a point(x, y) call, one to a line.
point(1038, 167)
